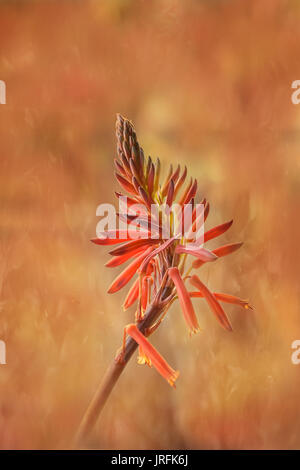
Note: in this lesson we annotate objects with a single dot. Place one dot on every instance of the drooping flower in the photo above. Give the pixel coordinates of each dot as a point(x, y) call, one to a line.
point(157, 252)
point(184, 299)
point(213, 303)
point(227, 298)
point(152, 356)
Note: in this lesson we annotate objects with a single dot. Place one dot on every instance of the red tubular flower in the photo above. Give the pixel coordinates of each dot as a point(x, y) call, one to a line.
point(132, 295)
point(229, 299)
point(146, 289)
point(201, 253)
point(118, 260)
point(131, 247)
point(184, 299)
point(180, 182)
point(213, 303)
point(159, 264)
point(219, 252)
point(127, 274)
point(217, 231)
point(156, 359)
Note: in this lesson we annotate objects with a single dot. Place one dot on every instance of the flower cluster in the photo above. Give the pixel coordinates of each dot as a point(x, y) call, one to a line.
point(160, 265)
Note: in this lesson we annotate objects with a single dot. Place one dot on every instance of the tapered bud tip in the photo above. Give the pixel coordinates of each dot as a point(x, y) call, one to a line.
point(173, 379)
point(247, 306)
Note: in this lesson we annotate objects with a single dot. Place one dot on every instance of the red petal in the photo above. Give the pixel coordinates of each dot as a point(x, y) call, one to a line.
point(145, 197)
point(156, 359)
point(180, 182)
point(145, 290)
point(119, 167)
point(165, 186)
point(127, 274)
point(151, 179)
point(197, 219)
point(230, 299)
point(118, 260)
point(170, 193)
point(130, 201)
point(216, 231)
point(202, 253)
point(191, 193)
point(157, 174)
point(183, 197)
point(125, 184)
point(175, 175)
point(206, 211)
point(126, 166)
point(184, 299)
point(134, 170)
point(132, 295)
point(137, 220)
point(227, 249)
point(131, 246)
point(112, 237)
point(221, 251)
point(212, 302)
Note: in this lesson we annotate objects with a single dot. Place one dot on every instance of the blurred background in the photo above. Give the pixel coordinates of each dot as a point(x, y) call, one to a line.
point(207, 84)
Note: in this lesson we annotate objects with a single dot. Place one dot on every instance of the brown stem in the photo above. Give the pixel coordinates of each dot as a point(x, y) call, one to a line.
point(111, 377)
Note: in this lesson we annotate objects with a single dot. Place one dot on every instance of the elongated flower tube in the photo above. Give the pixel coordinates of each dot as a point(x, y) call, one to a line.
point(184, 299)
point(219, 252)
point(201, 253)
point(217, 231)
point(229, 299)
point(127, 274)
point(153, 355)
point(132, 295)
point(213, 303)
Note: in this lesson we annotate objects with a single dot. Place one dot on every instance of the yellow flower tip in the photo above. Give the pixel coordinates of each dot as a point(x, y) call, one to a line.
point(173, 378)
point(143, 359)
point(247, 305)
point(152, 354)
point(140, 360)
point(194, 331)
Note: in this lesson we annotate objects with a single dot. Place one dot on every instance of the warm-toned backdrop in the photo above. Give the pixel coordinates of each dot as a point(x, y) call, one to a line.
point(207, 84)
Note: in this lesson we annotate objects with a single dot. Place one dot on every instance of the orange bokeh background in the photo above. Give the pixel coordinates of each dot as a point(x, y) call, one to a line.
point(207, 84)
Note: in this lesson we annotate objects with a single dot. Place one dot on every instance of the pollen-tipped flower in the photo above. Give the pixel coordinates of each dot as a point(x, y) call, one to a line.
point(161, 229)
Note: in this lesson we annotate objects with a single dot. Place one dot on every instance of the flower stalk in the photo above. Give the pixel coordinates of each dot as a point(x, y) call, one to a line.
point(112, 375)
